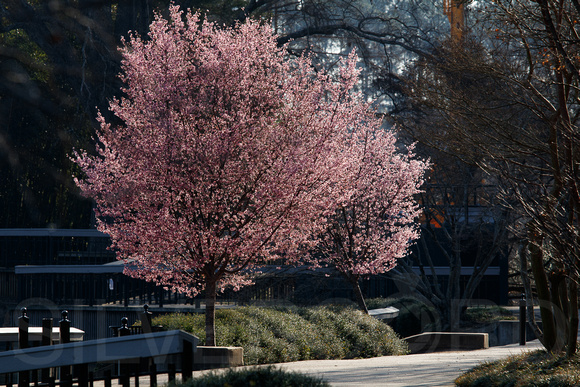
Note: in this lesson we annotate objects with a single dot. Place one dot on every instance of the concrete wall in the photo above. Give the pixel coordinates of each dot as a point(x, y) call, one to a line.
point(447, 341)
point(205, 358)
point(505, 332)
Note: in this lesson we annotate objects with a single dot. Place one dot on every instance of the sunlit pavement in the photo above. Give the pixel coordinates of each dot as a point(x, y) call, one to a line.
point(431, 369)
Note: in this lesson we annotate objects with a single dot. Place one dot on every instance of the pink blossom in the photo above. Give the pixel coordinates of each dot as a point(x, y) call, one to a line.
point(229, 156)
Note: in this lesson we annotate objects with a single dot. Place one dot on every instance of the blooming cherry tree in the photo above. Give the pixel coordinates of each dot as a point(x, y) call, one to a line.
point(374, 223)
point(222, 155)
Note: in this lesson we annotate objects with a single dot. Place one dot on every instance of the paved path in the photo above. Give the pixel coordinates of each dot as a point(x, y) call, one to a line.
point(433, 369)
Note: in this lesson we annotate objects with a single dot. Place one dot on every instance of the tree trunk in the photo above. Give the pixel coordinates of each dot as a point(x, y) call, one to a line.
point(560, 310)
point(573, 322)
point(543, 289)
point(454, 288)
point(528, 291)
point(455, 307)
point(360, 300)
point(210, 294)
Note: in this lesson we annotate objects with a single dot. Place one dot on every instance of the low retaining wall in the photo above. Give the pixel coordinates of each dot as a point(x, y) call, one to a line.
point(505, 332)
point(205, 358)
point(447, 341)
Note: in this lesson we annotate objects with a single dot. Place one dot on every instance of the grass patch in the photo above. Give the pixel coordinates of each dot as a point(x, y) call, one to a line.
point(277, 335)
point(263, 377)
point(538, 368)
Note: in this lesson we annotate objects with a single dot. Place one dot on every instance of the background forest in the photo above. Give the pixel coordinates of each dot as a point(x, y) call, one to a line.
point(59, 65)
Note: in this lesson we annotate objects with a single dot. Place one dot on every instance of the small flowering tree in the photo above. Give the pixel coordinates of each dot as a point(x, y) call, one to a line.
point(224, 156)
point(374, 223)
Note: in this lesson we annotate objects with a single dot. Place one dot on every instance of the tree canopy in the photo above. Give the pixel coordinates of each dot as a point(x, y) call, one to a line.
point(228, 155)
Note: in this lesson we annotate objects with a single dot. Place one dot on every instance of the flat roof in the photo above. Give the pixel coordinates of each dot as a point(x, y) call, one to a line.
point(110, 268)
point(51, 232)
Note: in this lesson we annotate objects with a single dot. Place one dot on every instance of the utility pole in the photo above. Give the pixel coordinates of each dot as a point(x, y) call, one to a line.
point(455, 12)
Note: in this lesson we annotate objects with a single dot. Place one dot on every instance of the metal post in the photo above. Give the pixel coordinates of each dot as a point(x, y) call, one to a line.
point(523, 320)
point(124, 377)
point(137, 370)
point(64, 337)
point(108, 378)
point(83, 374)
point(187, 360)
point(152, 374)
point(23, 323)
point(146, 319)
point(171, 372)
point(64, 328)
point(46, 340)
point(124, 330)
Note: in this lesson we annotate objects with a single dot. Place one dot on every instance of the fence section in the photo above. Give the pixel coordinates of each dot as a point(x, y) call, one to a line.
point(83, 362)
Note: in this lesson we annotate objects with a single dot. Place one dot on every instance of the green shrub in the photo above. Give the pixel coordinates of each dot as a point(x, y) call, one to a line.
point(537, 368)
point(263, 377)
point(275, 335)
point(194, 323)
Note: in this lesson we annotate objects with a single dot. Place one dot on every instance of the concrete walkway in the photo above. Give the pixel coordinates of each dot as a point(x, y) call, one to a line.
point(432, 369)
